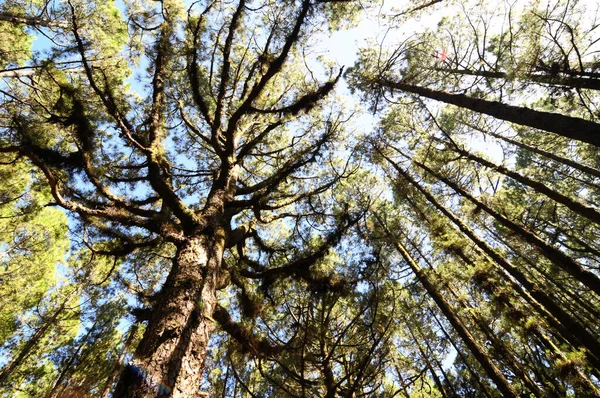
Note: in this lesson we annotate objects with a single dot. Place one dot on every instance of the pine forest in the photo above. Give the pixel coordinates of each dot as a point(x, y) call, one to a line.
point(299, 198)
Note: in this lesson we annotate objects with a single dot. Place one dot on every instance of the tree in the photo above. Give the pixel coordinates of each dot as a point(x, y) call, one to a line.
point(506, 220)
point(230, 131)
point(28, 232)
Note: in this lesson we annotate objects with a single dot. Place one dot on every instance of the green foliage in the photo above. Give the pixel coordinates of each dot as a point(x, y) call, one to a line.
point(16, 45)
point(34, 242)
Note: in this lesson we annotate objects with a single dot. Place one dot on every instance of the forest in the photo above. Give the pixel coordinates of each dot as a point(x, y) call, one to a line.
point(207, 199)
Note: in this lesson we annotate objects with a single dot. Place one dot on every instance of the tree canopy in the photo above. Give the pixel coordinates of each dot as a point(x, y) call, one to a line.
point(195, 204)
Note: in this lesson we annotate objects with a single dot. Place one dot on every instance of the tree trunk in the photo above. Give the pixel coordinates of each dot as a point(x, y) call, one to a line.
point(477, 377)
point(569, 328)
point(31, 21)
point(586, 277)
point(594, 315)
point(446, 381)
point(425, 357)
point(17, 73)
point(117, 366)
point(475, 348)
point(32, 342)
point(498, 344)
point(582, 382)
point(169, 361)
point(58, 387)
point(573, 205)
point(578, 166)
point(566, 126)
point(554, 80)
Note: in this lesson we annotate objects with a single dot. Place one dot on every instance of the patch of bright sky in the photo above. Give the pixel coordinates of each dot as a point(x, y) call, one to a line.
point(342, 47)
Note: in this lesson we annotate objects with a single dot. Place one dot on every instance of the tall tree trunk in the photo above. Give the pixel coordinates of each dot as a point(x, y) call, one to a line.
point(58, 387)
point(573, 205)
point(425, 357)
point(465, 361)
point(33, 341)
point(569, 328)
point(498, 344)
point(540, 368)
point(594, 315)
point(475, 348)
point(173, 349)
point(552, 352)
point(578, 166)
point(585, 247)
point(566, 126)
point(581, 381)
point(446, 380)
point(586, 277)
point(31, 21)
point(117, 366)
point(555, 80)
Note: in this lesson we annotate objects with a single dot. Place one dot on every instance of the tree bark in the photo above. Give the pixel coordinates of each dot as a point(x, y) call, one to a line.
point(169, 361)
point(17, 73)
point(581, 381)
point(566, 126)
point(445, 380)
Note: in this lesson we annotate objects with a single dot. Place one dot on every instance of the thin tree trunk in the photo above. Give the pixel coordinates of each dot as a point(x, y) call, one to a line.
point(540, 368)
point(439, 365)
point(472, 372)
point(578, 166)
point(434, 375)
point(522, 319)
point(497, 343)
point(566, 126)
point(585, 247)
point(17, 73)
point(572, 296)
point(28, 71)
point(477, 351)
point(586, 277)
point(31, 21)
point(57, 388)
point(574, 332)
point(32, 343)
point(571, 81)
point(173, 349)
point(327, 371)
point(573, 205)
point(117, 366)
point(582, 381)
